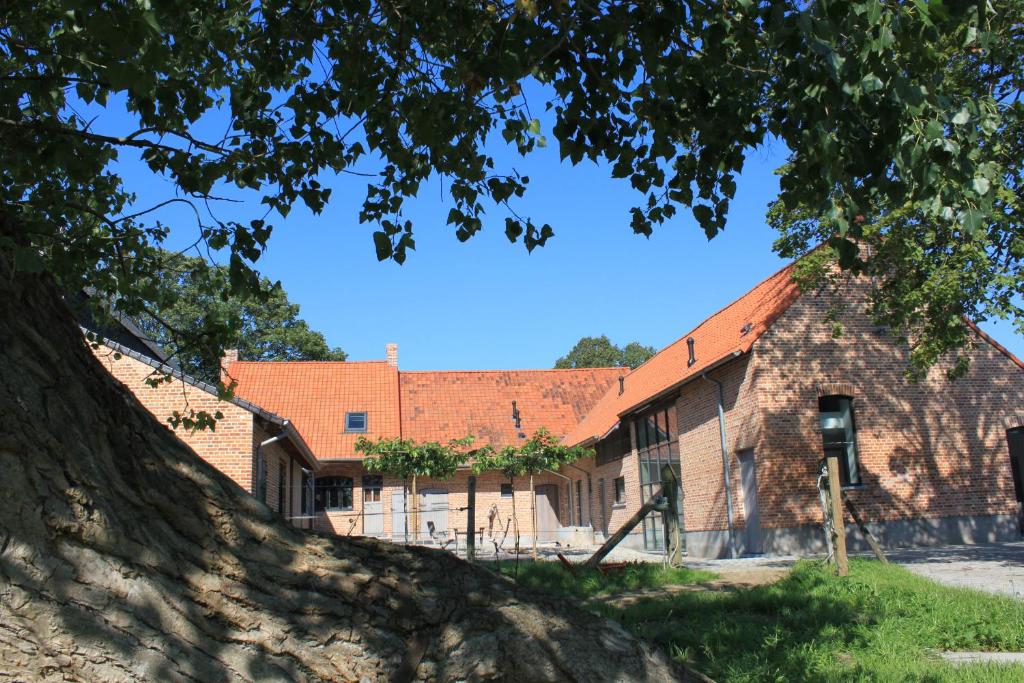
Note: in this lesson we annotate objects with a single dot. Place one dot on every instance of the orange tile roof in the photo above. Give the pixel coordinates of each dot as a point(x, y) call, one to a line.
point(315, 395)
point(715, 339)
point(438, 406)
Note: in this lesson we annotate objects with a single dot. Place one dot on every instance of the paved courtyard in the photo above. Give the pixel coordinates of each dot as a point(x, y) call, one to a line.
point(995, 567)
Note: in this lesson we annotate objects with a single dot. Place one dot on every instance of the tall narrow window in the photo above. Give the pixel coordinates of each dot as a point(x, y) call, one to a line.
point(839, 436)
point(282, 488)
point(579, 502)
point(620, 489)
point(1015, 440)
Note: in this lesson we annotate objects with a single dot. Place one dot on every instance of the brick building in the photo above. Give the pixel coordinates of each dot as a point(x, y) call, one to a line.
point(260, 451)
point(744, 406)
point(748, 402)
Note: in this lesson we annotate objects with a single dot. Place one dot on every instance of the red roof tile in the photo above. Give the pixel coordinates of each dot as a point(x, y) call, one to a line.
point(438, 406)
point(315, 396)
point(717, 338)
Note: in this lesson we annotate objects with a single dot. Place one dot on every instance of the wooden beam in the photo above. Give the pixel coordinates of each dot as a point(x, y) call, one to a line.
point(865, 532)
point(836, 506)
point(623, 531)
point(670, 488)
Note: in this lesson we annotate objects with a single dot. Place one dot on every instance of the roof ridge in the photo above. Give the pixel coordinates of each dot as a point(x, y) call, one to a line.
point(309, 362)
point(436, 372)
point(721, 310)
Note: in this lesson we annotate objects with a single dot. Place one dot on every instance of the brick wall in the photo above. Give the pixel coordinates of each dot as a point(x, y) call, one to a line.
point(700, 446)
point(228, 448)
point(932, 448)
point(493, 511)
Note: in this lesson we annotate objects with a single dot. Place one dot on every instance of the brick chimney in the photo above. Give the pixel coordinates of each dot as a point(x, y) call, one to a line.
point(391, 353)
point(227, 358)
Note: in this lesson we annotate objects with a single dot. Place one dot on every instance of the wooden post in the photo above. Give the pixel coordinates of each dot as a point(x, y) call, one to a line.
point(533, 512)
point(836, 504)
point(865, 532)
point(471, 519)
point(670, 488)
point(415, 511)
point(623, 531)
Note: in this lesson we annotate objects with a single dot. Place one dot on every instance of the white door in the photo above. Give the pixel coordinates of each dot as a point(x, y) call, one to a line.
point(433, 508)
point(748, 479)
point(373, 506)
point(399, 531)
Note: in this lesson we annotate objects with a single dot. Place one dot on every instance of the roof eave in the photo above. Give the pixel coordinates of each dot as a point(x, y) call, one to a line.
point(681, 383)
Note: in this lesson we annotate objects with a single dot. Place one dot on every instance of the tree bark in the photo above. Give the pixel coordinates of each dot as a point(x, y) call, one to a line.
point(125, 557)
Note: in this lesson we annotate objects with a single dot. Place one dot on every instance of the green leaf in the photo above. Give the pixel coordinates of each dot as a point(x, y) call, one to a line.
point(29, 260)
point(980, 185)
point(961, 117)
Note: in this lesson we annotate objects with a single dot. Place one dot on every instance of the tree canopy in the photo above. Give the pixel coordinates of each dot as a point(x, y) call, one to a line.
point(407, 458)
point(902, 123)
point(540, 452)
point(259, 327)
point(600, 352)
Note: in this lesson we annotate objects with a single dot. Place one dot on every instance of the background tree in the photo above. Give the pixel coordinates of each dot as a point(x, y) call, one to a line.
point(600, 352)
point(261, 327)
point(409, 460)
point(540, 453)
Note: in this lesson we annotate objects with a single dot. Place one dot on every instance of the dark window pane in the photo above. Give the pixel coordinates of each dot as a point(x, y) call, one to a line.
point(355, 422)
point(506, 490)
point(839, 435)
point(333, 493)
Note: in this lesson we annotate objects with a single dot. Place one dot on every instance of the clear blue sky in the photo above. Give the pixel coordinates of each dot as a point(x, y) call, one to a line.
point(487, 303)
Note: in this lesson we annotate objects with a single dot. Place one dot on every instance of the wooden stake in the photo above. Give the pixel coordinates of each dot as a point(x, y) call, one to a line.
point(415, 512)
point(865, 532)
point(670, 488)
point(623, 531)
point(836, 503)
point(533, 512)
point(471, 519)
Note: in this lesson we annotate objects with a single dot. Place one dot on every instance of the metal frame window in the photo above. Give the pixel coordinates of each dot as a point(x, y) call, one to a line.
point(506, 490)
point(355, 422)
point(333, 494)
point(657, 445)
point(839, 436)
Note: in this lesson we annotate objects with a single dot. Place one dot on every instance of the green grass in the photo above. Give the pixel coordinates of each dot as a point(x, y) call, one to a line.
point(882, 623)
point(551, 576)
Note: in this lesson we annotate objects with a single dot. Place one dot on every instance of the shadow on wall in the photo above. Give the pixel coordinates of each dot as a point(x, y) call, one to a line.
point(929, 449)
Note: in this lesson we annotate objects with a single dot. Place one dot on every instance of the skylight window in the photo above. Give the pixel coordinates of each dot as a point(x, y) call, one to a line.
point(355, 422)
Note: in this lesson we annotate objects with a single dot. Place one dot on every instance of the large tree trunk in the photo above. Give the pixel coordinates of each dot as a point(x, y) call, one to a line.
point(123, 556)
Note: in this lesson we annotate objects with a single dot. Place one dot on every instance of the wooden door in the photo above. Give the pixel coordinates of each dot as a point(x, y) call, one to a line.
point(548, 524)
